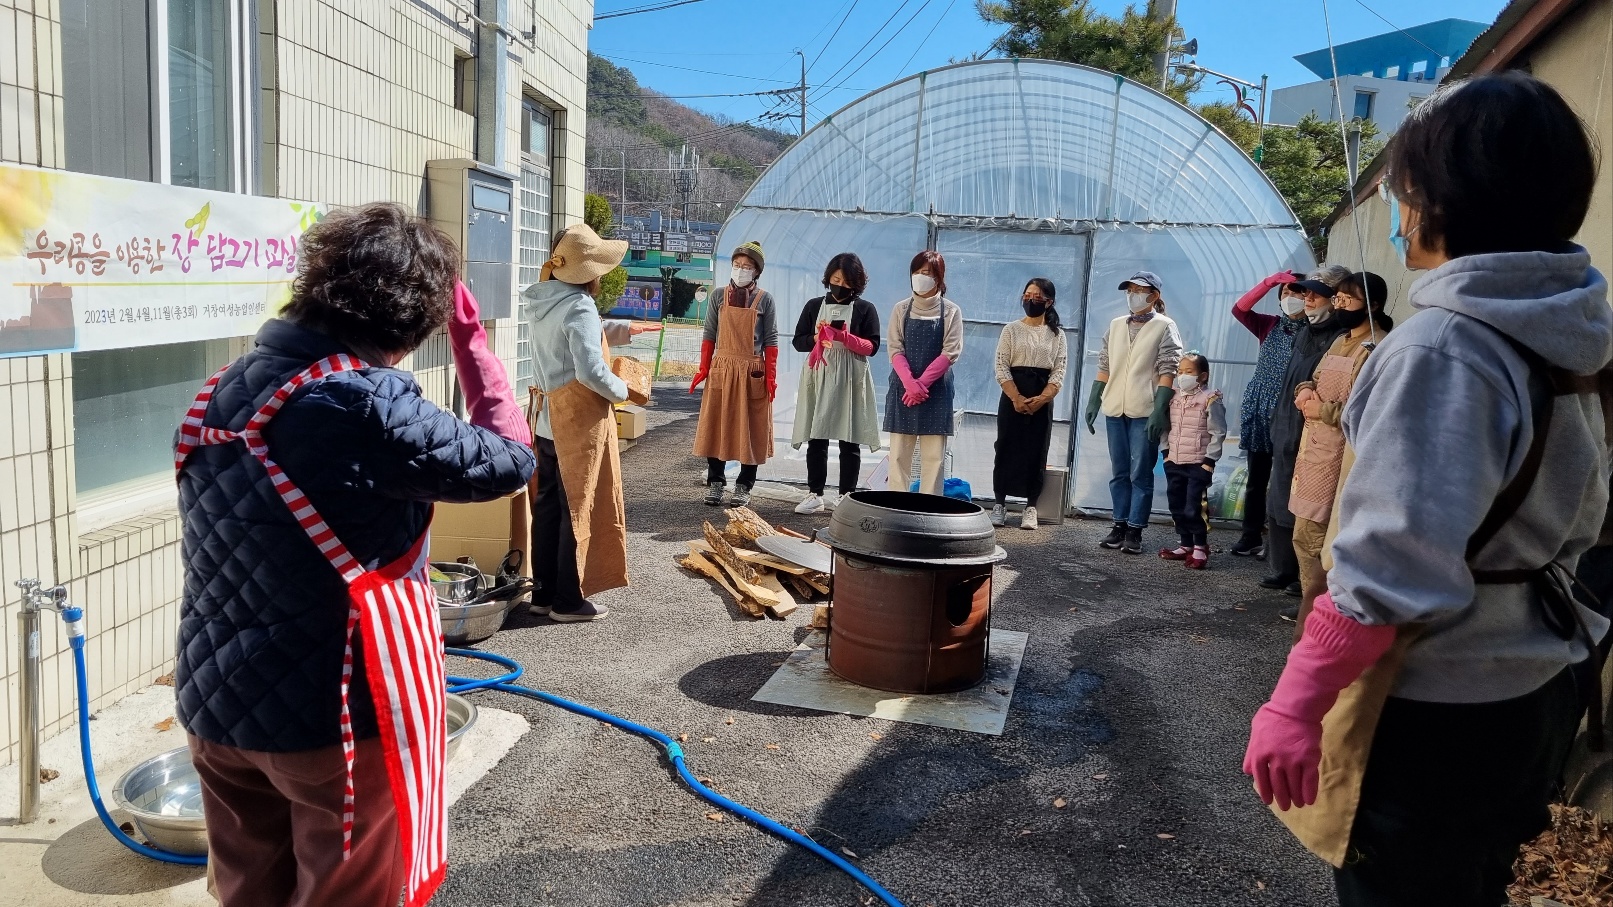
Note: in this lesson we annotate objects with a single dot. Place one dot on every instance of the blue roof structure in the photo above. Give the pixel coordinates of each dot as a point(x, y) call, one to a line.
point(1433, 43)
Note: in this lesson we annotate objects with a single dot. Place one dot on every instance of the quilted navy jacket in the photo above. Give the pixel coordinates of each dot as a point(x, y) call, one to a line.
point(262, 622)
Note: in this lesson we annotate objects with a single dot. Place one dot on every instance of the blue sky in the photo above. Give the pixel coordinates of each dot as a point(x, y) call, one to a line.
point(741, 44)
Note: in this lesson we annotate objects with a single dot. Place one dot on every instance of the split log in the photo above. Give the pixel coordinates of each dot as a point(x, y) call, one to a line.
point(786, 605)
point(757, 559)
point(800, 586)
point(793, 534)
point(820, 617)
point(818, 581)
point(750, 588)
point(745, 526)
point(724, 553)
point(696, 563)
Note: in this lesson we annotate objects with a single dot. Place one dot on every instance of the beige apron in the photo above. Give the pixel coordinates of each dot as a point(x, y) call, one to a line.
point(1347, 730)
point(584, 428)
point(736, 415)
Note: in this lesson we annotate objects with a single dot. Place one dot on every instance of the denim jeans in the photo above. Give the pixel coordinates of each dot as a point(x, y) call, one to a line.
point(1132, 458)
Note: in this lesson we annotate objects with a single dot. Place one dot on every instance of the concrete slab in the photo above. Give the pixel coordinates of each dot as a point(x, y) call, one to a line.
point(805, 681)
point(66, 859)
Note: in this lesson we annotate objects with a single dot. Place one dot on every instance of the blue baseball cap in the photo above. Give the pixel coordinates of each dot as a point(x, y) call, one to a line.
point(1146, 278)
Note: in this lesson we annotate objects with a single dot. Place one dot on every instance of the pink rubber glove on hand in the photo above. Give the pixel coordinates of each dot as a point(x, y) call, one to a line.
point(482, 378)
point(904, 373)
point(852, 342)
point(933, 372)
point(817, 357)
point(1285, 738)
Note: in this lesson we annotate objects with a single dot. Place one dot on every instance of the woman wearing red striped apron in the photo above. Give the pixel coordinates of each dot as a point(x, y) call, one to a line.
point(310, 675)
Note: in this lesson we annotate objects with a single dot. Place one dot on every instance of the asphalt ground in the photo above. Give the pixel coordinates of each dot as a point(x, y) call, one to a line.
point(1132, 707)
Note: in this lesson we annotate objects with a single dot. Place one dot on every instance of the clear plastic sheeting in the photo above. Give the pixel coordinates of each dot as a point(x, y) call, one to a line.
point(1014, 169)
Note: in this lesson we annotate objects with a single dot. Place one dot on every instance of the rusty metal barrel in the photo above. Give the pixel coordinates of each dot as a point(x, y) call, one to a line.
point(912, 591)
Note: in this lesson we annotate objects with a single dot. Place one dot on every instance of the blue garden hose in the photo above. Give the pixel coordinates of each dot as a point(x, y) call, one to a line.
point(74, 618)
point(505, 683)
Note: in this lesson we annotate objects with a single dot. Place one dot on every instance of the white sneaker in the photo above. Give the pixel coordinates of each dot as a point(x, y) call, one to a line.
point(999, 515)
point(831, 500)
point(812, 504)
point(1027, 520)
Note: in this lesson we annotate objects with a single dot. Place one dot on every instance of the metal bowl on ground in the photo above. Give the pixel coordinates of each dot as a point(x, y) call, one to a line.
point(461, 584)
point(461, 718)
point(466, 624)
point(163, 795)
point(912, 528)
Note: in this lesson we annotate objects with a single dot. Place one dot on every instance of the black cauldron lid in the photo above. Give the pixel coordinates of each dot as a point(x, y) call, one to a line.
point(912, 528)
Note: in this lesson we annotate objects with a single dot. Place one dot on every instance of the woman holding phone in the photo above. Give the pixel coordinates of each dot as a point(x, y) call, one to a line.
point(839, 330)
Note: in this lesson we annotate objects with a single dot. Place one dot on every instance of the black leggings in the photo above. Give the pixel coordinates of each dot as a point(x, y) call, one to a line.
point(714, 472)
point(818, 465)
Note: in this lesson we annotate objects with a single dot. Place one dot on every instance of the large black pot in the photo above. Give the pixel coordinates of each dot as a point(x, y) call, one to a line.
point(912, 528)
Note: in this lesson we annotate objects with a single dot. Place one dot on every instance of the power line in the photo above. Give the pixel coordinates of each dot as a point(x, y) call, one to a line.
point(607, 51)
point(655, 94)
point(849, 10)
point(642, 9)
point(894, 35)
point(870, 40)
point(1396, 28)
point(730, 75)
point(942, 18)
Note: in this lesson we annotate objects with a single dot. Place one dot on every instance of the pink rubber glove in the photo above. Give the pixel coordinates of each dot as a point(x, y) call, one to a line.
point(914, 397)
point(933, 372)
point(859, 345)
point(482, 378)
point(904, 372)
point(1279, 279)
point(1285, 738)
point(816, 359)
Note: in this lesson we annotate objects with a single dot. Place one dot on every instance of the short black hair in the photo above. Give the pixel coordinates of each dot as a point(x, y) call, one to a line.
point(1368, 287)
point(376, 278)
point(1496, 163)
point(850, 268)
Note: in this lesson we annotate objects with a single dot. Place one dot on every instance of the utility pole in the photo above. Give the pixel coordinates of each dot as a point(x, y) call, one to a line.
point(1163, 11)
point(803, 91)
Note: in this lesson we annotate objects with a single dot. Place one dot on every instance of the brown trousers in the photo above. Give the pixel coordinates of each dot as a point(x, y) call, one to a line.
point(1309, 539)
point(274, 827)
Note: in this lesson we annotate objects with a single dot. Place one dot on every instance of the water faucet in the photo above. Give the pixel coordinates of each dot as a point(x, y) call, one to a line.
point(35, 598)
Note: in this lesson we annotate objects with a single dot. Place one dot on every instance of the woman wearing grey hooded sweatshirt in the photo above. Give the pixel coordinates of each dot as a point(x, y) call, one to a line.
point(1458, 661)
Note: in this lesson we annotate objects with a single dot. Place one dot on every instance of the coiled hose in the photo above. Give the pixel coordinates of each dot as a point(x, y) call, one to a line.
point(505, 683)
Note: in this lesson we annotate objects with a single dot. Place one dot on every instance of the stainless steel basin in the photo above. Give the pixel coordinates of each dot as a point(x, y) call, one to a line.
point(466, 624)
point(163, 795)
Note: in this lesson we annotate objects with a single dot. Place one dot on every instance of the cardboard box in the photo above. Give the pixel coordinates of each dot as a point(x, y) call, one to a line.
point(630, 421)
point(485, 531)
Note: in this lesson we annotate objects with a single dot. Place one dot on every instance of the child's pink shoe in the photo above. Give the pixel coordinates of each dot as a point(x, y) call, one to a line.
point(1198, 558)
point(1179, 553)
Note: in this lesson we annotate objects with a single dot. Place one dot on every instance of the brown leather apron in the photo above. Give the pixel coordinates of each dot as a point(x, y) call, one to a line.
point(736, 415)
point(1321, 447)
point(584, 428)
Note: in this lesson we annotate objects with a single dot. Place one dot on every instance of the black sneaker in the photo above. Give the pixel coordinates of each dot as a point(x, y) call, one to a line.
point(1115, 538)
point(741, 496)
point(1292, 589)
point(714, 492)
point(1274, 582)
point(1134, 541)
point(1289, 613)
point(1247, 547)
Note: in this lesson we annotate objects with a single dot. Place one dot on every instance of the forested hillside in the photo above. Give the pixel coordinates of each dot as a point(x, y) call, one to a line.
point(635, 126)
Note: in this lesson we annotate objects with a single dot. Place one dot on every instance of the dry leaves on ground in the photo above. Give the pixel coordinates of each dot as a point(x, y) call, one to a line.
point(166, 680)
point(1570, 863)
point(49, 774)
point(167, 724)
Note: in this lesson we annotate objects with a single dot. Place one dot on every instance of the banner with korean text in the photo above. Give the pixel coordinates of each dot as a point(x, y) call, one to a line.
point(95, 263)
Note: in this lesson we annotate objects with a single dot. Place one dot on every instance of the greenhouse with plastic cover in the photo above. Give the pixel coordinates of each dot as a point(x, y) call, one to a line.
point(1013, 169)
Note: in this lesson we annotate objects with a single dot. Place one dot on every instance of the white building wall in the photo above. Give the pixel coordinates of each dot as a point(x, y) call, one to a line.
point(1392, 100)
point(355, 96)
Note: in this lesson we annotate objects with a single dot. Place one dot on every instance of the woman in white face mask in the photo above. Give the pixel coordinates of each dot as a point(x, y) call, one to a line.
point(1260, 398)
point(926, 339)
point(739, 353)
point(1136, 371)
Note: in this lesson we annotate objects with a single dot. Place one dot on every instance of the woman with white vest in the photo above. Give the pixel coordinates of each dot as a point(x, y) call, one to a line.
point(1136, 371)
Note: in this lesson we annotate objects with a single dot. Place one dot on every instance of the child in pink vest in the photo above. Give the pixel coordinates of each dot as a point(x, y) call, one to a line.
point(1198, 426)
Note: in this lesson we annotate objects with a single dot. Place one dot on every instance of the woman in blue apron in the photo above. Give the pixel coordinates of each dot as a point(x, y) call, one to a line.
point(925, 340)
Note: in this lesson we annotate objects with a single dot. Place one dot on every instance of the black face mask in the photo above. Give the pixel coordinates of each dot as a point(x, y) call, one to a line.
point(1349, 319)
point(1033, 309)
point(840, 294)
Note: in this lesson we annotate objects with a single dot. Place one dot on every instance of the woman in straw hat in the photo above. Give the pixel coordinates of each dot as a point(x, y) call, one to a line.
point(739, 353)
point(579, 525)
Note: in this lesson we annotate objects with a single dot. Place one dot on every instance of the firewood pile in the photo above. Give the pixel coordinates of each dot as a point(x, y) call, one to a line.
point(759, 583)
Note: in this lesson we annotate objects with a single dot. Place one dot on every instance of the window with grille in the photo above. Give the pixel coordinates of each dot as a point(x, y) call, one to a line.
point(537, 212)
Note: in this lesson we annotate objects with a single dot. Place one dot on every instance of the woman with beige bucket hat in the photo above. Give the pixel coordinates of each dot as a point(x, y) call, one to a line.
point(579, 524)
